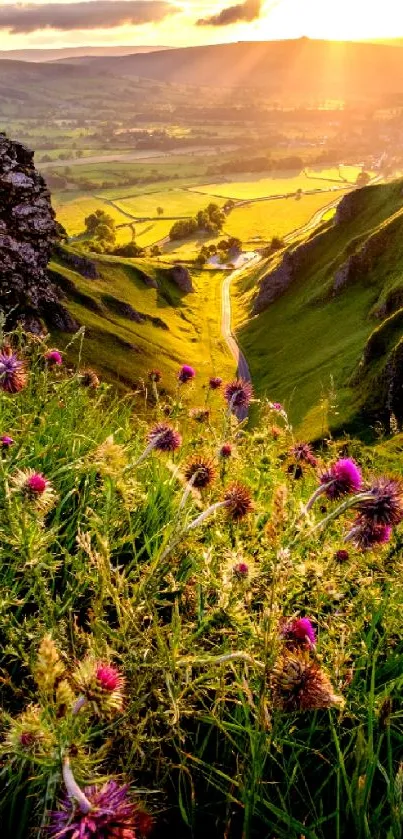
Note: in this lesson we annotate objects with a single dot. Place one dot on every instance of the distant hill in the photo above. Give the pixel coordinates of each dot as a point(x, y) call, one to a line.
point(73, 53)
point(295, 67)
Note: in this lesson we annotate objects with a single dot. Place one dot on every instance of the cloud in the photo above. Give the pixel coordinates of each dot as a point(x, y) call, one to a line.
point(247, 11)
point(102, 14)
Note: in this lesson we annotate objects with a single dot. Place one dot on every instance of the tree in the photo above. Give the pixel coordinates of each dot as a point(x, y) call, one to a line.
point(160, 211)
point(106, 234)
point(363, 178)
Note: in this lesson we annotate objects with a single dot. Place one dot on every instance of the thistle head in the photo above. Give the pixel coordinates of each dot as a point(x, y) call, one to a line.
point(276, 406)
point(343, 478)
point(299, 632)
point(238, 501)
point(164, 438)
point(199, 414)
point(302, 453)
point(101, 684)
point(201, 472)
point(112, 816)
point(341, 555)
point(29, 734)
point(6, 442)
point(225, 450)
point(89, 378)
point(299, 684)
point(238, 393)
point(366, 534)
point(54, 358)
point(34, 488)
point(186, 374)
point(13, 375)
point(215, 382)
point(155, 376)
point(241, 570)
point(384, 506)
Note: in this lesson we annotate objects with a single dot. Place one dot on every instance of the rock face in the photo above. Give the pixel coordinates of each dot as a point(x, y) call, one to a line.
point(181, 277)
point(28, 232)
point(276, 282)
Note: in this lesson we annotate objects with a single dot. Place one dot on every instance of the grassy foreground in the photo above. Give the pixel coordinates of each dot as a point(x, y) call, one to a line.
point(149, 639)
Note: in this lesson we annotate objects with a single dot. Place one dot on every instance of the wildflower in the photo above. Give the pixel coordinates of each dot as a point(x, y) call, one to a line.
point(299, 632)
point(35, 488)
point(238, 501)
point(54, 358)
point(155, 376)
point(302, 452)
point(215, 382)
point(100, 685)
point(186, 374)
point(341, 555)
point(343, 478)
point(6, 442)
point(225, 450)
point(238, 393)
point(28, 733)
point(366, 534)
point(241, 570)
point(385, 502)
point(164, 438)
point(199, 414)
point(96, 812)
point(200, 472)
point(299, 684)
point(276, 432)
point(276, 406)
point(89, 379)
point(13, 375)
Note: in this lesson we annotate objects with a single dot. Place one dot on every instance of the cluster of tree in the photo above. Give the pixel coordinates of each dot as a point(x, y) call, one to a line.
point(225, 249)
point(100, 226)
point(211, 220)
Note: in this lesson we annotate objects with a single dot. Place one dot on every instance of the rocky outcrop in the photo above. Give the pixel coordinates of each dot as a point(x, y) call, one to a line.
point(276, 282)
point(125, 310)
point(351, 205)
point(81, 264)
point(180, 275)
point(28, 233)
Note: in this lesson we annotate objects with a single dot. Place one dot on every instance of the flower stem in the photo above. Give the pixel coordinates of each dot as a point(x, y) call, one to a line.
point(73, 790)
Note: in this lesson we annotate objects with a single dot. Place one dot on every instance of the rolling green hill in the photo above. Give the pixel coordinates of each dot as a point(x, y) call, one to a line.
point(322, 324)
point(136, 318)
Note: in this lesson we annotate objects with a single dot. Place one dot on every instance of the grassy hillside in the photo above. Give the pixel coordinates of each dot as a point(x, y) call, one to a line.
point(177, 328)
point(305, 348)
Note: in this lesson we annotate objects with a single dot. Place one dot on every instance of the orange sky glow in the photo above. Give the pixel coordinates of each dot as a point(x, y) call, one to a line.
point(178, 24)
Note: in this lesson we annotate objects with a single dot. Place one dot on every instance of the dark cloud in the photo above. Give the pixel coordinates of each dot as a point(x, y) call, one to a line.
point(101, 14)
point(249, 10)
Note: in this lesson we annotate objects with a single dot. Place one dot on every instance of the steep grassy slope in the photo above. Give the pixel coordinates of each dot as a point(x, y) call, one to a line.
point(308, 347)
point(173, 327)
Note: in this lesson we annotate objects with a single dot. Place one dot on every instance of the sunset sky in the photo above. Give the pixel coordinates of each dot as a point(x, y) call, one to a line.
point(188, 22)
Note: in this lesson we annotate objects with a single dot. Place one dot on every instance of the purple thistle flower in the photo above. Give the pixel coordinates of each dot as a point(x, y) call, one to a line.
point(276, 406)
point(299, 631)
point(186, 374)
point(13, 376)
point(385, 505)
point(241, 570)
point(36, 484)
point(365, 534)
point(225, 450)
point(303, 452)
point(112, 815)
point(6, 442)
point(54, 358)
point(343, 478)
point(164, 438)
point(238, 393)
point(341, 555)
point(215, 382)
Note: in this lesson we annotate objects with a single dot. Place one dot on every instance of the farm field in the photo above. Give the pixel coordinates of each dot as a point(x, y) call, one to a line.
point(147, 233)
point(256, 224)
point(176, 203)
point(73, 208)
point(252, 187)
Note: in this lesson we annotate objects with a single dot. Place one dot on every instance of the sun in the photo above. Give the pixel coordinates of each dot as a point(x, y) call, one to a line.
point(350, 20)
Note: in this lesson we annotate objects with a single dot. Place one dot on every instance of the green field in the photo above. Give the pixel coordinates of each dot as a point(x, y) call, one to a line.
point(124, 350)
point(72, 209)
point(254, 187)
point(255, 224)
point(176, 203)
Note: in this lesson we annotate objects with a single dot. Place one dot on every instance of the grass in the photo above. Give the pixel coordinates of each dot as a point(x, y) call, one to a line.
point(252, 187)
point(176, 203)
point(207, 736)
point(304, 349)
point(125, 350)
point(73, 208)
